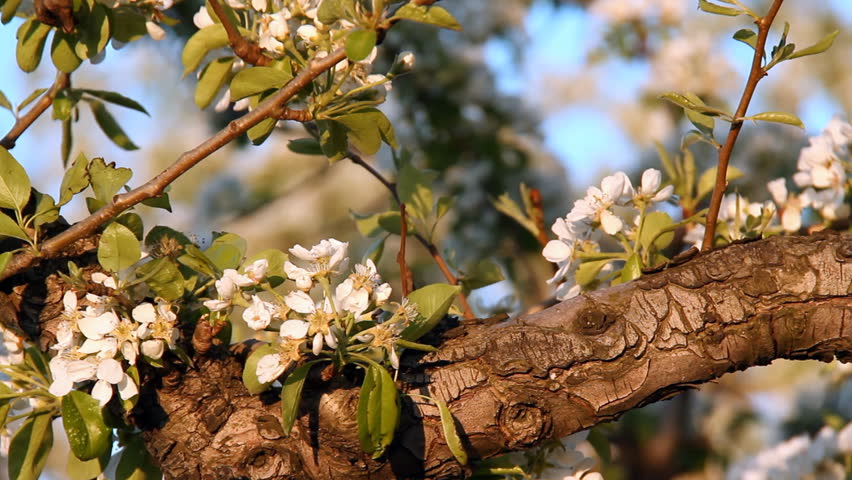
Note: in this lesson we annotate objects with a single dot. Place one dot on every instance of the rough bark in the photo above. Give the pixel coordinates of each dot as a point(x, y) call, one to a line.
point(515, 384)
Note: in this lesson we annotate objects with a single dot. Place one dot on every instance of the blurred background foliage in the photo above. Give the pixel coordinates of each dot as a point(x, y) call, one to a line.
point(546, 92)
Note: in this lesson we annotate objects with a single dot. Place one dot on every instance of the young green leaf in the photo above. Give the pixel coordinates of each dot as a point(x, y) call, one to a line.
point(749, 37)
point(383, 411)
point(127, 24)
point(254, 80)
point(359, 44)
point(93, 28)
point(655, 223)
point(778, 117)
point(118, 248)
point(414, 187)
point(211, 80)
point(45, 209)
point(10, 7)
point(86, 470)
point(63, 105)
point(632, 268)
point(433, 302)
point(62, 52)
point(32, 96)
point(84, 425)
point(163, 277)
point(14, 182)
point(330, 11)
point(432, 15)
point(4, 260)
point(67, 141)
point(75, 180)
point(451, 435)
point(227, 251)
point(483, 273)
point(31, 36)
point(115, 98)
point(253, 385)
point(368, 388)
point(133, 222)
point(110, 126)
point(305, 146)
point(367, 129)
point(333, 140)
point(32, 443)
point(708, 180)
point(201, 42)
point(5, 103)
point(9, 228)
point(588, 271)
point(136, 463)
point(106, 179)
point(291, 394)
point(816, 48)
point(718, 9)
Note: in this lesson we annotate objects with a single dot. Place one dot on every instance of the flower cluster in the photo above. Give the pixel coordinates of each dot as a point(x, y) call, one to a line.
point(615, 209)
point(799, 457)
point(292, 27)
point(95, 343)
point(347, 315)
point(821, 175)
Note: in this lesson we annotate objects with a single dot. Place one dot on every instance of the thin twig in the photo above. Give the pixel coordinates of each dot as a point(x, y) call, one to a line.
point(285, 113)
point(248, 51)
point(23, 123)
point(755, 75)
point(187, 160)
point(407, 280)
point(538, 216)
point(429, 246)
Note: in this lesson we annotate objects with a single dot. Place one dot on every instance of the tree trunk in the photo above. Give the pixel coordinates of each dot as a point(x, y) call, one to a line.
point(515, 384)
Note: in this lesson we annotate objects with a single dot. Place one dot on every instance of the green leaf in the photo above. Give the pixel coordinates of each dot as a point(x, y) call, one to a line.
point(136, 463)
point(253, 385)
point(10, 7)
point(45, 209)
point(14, 182)
point(160, 234)
point(75, 180)
point(32, 443)
point(86, 470)
point(211, 80)
point(368, 386)
point(433, 302)
point(84, 425)
point(4, 260)
point(4, 102)
point(32, 96)
point(201, 42)
point(31, 39)
point(196, 260)
point(67, 141)
point(127, 24)
point(291, 395)
point(383, 411)
point(777, 117)
point(115, 98)
point(601, 445)
point(163, 277)
point(333, 140)
point(654, 224)
point(373, 252)
point(118, 248)
point(254, 80)
point(133, 222)
point(63, 105)
point(588, 271)
point(62, 52)
point(9, 228)
point(816, 48)
point(444, 206)
point(227, 251)
point(359, 44)
point(703, 123)
point(507, 206)
point(106, 179)
point(415, 190)
point(160, 201)
point(632, 268)
point(718, 9)
point(708, 180)
point(749, 37)
point(110, 126)
point(367, 129)
point(305, 146)
point(330, 11)
point(430, 14)
point(93, 29)
point(451, 435)
point(229, 12)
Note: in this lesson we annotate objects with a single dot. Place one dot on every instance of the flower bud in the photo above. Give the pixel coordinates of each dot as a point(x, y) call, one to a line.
point(404, 63)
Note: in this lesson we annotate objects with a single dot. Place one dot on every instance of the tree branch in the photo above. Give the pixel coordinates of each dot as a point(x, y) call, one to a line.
point(187, 160)
point(43, 103)
point(248, 51)
point(517, 384)
point(756, 73)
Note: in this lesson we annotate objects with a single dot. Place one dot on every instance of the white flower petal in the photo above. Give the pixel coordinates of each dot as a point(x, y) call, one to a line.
point(300, 302)
point(110, 370)
point(269, 367)
point(127, 387)
point(557, 251)
point(102, 391)
point(610, 223)
point(316, 346)
point(295, 329)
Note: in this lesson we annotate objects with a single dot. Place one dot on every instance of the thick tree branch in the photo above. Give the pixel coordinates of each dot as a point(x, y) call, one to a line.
point(516, 384)
point(43, 103)
point(756, 73)
point(187, 160)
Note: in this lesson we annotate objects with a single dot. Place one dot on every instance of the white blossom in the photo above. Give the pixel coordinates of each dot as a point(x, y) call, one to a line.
point(258, 315)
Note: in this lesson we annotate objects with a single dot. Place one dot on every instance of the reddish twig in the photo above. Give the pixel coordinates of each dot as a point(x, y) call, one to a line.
point(407, 280)
point(755, 75)
point(248, 51)
point(538, 216)
point(429, 246)
point(154, 187)
point(23, 123)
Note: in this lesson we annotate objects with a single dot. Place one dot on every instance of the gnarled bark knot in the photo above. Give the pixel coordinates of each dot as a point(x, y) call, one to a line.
point(518, 383)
